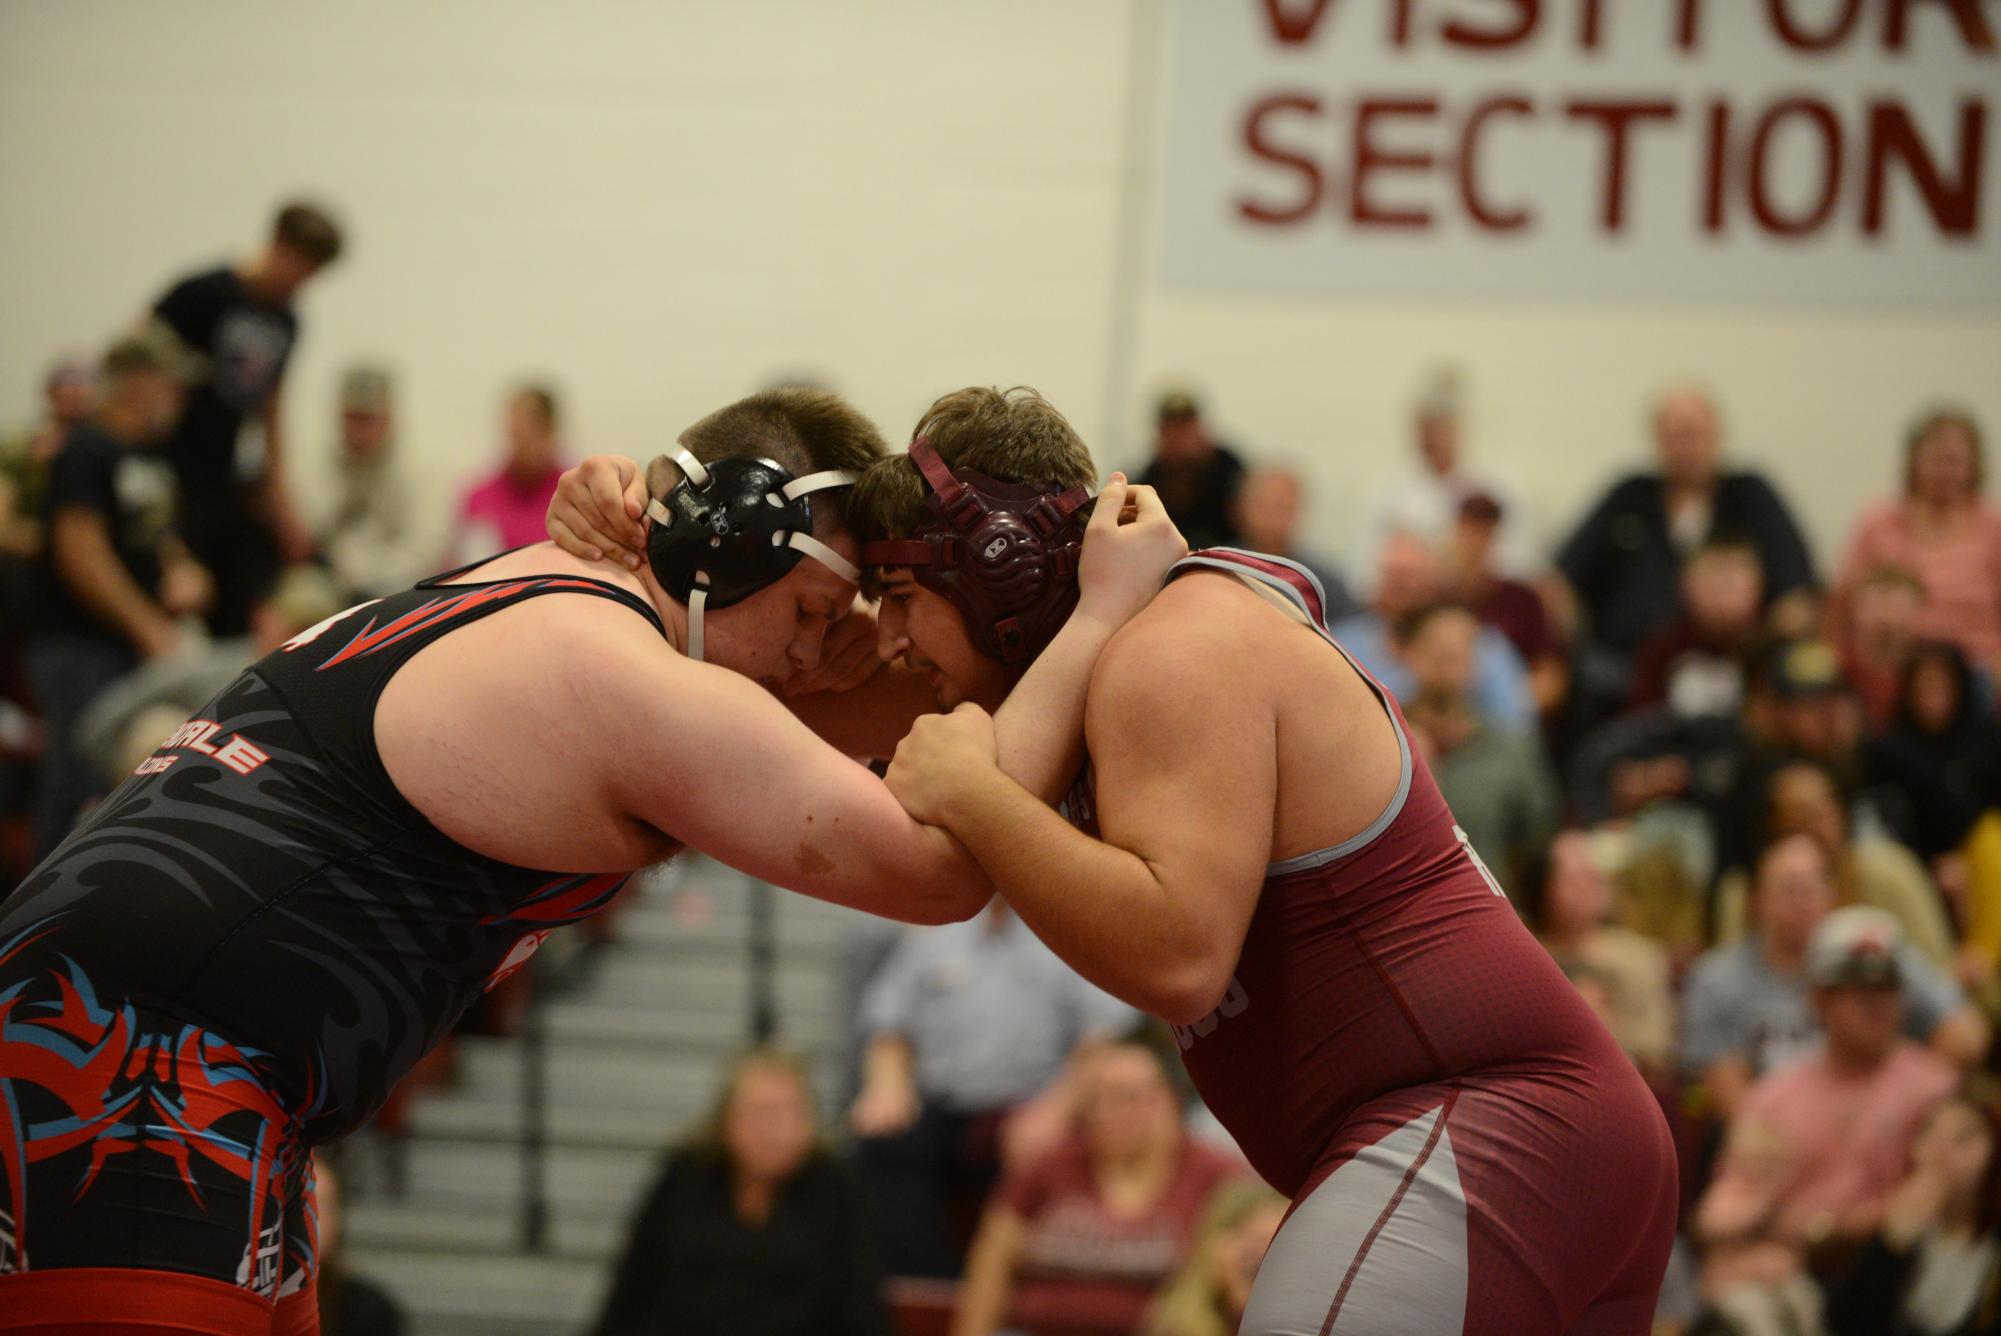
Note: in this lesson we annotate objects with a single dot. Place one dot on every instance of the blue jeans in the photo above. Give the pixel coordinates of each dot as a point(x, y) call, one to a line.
point(68, 671)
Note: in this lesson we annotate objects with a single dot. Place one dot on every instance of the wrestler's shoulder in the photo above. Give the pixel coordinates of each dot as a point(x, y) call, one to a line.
point(1196, 631)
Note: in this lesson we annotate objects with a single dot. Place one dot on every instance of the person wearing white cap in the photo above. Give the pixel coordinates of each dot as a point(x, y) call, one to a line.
point(1812, 1158)
point(1747, 1010)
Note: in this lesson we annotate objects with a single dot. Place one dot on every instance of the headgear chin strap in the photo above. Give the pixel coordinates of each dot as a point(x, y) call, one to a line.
point(733, 527)
point(1005, 554)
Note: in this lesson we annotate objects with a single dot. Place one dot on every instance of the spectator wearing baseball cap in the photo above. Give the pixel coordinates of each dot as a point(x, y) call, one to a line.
point(1748, 1007)
point(1799, 706)
point(367, 527)
point(1814, 1155)
point(1196, 475)
point(116, 579)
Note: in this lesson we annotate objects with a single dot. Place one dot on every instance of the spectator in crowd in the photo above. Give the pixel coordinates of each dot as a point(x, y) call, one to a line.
point(1944, 531)
point(68, 394)
point(1934, 1268)
point(1426, 496)
point(1409, 576)
point(125, 723)
point(1196, 475)
point(1624, 560)
point(1266, 515)
point(368, 529)
point(1077, 1241)
point(241, 319)
point(1817, 1149)
point(69, 391)
point(116, 578)
point(1576, 925)
point(1697, 662)
point(1878, 635)
point(973, 1030)
point(1499, 784)
point(505, 510)
point(753, 1226)
point(1870, 869)
point(1209, 1294)
point(1942, 757)
point(1799, 707)
point(349, 1304)
point(1746, 1010)
point(1511, 607)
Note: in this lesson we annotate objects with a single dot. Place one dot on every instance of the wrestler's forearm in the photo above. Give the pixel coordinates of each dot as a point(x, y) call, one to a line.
point(1039, 730)
point(1103, 909)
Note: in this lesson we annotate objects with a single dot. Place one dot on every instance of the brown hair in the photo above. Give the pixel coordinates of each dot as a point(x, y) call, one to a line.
point(1930, 423)
point(801, 430)
point(708, 1135)
point(1012, 435)
point(546, 405)
point(309, 230)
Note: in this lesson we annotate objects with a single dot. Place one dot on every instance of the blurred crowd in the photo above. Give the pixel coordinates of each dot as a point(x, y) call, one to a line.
point(1748, 796)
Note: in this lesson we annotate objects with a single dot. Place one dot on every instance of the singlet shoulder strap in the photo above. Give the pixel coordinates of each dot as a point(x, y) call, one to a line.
point(528, 586)
point(1302, 588)
point(1298, 585)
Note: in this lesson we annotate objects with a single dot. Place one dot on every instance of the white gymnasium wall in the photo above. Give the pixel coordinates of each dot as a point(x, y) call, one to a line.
point(664, 203)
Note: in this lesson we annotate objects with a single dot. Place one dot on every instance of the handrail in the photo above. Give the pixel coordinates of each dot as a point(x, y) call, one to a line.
point(761, 1021)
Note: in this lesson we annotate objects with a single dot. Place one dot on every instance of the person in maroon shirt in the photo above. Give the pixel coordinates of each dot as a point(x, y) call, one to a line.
point(1697, 663)
point(1078, 1241)
point(1514, 609)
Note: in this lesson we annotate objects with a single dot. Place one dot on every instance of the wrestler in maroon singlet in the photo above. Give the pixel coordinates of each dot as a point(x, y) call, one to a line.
point(1466, 1147)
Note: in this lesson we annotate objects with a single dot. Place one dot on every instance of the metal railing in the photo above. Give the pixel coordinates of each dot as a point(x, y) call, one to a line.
point(760, 947)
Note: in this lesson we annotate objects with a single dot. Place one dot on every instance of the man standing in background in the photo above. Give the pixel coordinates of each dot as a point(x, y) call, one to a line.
point(116, 577)
point(239, 521)
point(367, 528)
point(1196, 475)
point(1424, 496)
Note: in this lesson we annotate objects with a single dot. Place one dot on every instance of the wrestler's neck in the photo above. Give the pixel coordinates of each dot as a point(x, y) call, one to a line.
point(673, 614)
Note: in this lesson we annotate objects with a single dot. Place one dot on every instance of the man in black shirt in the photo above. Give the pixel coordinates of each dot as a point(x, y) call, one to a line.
point(1196, 475)
point(1624, 561)
point(241, 319)
point(116, 575)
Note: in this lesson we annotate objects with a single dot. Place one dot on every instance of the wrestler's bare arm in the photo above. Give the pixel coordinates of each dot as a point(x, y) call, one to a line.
point(1155, 912)
point(713, 760)
point(868, 720)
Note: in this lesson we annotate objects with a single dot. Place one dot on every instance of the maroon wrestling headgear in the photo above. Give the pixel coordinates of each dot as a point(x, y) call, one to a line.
point(1004, 553)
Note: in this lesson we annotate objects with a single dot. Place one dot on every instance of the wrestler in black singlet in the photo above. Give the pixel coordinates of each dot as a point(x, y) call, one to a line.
point(239, 954)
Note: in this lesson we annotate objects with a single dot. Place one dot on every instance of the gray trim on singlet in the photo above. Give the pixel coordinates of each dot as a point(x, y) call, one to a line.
point(1368, 834)
point(1379, 1248)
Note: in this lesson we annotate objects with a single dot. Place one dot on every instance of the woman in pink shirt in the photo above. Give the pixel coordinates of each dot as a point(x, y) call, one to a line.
point(505, 509)
point(1945, 532)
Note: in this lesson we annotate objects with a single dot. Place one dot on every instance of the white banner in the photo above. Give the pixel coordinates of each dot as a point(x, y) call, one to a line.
point(1826, 151)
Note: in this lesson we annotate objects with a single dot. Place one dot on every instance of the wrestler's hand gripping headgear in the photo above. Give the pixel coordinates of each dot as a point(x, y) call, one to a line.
point(1005, 554)
point(732, 527)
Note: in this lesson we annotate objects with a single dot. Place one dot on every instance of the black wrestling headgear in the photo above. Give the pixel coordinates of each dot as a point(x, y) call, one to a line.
point(733, 527)
point(1005, 554)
